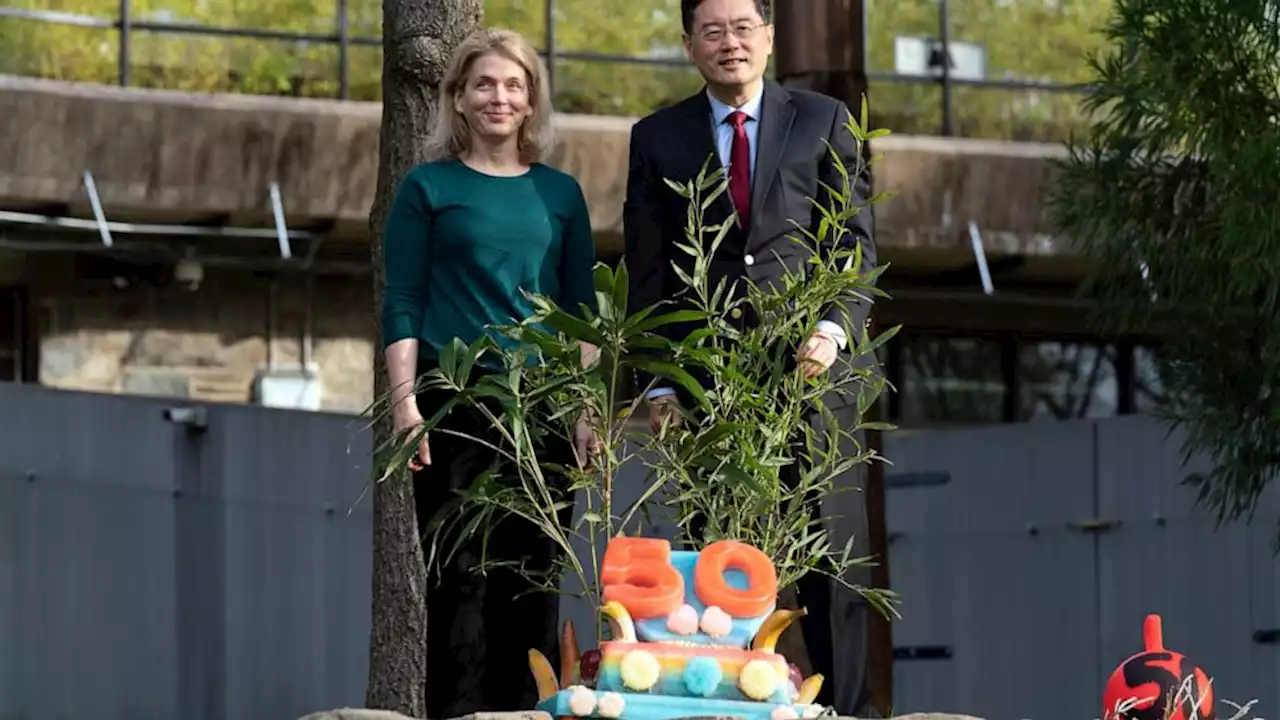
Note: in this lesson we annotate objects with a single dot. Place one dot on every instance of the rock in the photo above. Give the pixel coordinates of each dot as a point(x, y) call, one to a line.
point(359, 714)
point(355, 714)
point(934, 716)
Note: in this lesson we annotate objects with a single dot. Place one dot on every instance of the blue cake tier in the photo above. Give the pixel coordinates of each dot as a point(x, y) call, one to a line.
point(645, 706)
point(744, 629)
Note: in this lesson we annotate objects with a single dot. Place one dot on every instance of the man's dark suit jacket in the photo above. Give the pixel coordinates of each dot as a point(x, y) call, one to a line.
point(792, 163)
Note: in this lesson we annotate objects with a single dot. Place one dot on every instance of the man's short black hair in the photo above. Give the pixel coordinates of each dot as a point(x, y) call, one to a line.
point(687, 8)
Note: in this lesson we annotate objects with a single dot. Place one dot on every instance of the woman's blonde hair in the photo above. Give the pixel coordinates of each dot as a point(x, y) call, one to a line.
point(451, 137)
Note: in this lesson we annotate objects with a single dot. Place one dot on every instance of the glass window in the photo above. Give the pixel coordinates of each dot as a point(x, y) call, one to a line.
point(949, 380)
point(1064, 381)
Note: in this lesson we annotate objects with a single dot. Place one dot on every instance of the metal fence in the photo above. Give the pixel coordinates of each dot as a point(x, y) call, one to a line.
point(126, 25)
point(162, 560)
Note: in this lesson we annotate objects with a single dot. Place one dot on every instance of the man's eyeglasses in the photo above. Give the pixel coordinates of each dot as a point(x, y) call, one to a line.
point(716, 33)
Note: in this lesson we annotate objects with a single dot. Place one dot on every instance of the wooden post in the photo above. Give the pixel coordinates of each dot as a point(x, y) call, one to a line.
point(820, 45)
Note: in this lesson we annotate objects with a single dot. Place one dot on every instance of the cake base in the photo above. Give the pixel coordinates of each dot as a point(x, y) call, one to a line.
point(644, 706)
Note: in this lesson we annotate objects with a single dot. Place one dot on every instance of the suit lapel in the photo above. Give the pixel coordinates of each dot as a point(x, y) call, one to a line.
point(776, 115)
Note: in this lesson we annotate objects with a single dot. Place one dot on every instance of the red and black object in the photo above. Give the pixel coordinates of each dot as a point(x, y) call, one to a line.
point(1157, 684)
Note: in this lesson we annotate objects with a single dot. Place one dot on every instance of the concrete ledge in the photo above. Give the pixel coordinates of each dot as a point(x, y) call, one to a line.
point(186, 156)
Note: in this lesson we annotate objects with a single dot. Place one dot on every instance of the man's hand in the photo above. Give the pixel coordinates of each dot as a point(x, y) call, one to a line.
point(664, 410)
point(817, 354)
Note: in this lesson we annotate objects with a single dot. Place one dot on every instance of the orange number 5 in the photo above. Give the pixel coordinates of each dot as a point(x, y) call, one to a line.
point(712, 589)
point(637, 572)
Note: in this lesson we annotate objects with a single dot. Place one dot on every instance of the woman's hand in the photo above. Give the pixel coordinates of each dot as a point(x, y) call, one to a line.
point(586, 443)
point(408, 424)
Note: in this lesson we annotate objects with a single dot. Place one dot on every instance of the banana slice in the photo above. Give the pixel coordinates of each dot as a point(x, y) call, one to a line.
point(543, 675)
point(777, 622)
point(809, 690)
point(624, 630)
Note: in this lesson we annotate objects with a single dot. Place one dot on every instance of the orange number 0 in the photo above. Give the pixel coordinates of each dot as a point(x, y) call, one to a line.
point(712, 589)
point(637, 572)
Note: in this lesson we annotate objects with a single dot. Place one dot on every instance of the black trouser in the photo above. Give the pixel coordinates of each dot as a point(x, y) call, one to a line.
point(837, 625)
point(480, 628)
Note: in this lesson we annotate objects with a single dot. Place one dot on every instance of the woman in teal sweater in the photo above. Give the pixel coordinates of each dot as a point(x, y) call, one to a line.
point(466, 233)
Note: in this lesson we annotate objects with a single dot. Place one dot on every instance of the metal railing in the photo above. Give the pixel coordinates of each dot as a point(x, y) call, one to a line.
point(126, 25)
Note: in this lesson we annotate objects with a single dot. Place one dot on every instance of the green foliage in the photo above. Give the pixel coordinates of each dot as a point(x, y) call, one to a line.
point(1027, 39)
point(1170, 195)
point(1031, 40)
point(723, 465)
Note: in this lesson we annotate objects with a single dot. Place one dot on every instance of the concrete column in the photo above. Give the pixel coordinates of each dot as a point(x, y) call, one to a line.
point(820, 45)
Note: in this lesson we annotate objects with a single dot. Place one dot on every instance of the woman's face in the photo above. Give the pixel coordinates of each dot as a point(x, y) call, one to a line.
point(495, 98)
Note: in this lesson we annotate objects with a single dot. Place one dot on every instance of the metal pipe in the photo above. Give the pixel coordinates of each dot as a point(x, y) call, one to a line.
point(273, 293)
point(980, 256)
point(282, 229)
point(549, 7)
point(126, 23)
point(104, 231)
point(166, 256)
point(79, 20)
point(304, 345)
point(54, 17)
point(944, 33)
point(344, 47)
point(127, 228)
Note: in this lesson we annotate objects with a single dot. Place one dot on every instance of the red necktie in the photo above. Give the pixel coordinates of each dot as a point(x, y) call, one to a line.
point(740, 168)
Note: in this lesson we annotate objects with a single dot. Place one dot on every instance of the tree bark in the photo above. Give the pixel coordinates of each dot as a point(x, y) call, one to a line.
point(418, 37)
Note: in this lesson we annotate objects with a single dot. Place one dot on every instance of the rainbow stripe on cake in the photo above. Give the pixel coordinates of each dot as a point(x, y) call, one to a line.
point(694, 671)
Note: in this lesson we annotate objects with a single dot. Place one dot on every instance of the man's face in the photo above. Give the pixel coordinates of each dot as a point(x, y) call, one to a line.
point(729, 42)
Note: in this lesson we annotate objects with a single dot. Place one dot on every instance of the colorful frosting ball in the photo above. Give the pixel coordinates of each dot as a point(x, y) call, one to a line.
point(639, 670)
point(783, 712)
point(716, 622)
point(758, 679)
point(611, 705)
point(582, 701)
point(684, 621)
point(702, 676)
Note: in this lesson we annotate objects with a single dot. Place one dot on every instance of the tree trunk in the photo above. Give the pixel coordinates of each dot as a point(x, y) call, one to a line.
point(418, 37)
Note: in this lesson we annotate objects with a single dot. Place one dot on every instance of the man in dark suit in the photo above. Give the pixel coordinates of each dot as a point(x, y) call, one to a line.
point(770, 141)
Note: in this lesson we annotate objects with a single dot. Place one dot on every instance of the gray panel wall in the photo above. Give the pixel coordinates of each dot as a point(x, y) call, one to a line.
point(1036, 610)
point(151, 571)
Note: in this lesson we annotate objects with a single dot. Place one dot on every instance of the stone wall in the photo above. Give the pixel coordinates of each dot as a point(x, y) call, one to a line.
point(169, 154)
point(162, 339)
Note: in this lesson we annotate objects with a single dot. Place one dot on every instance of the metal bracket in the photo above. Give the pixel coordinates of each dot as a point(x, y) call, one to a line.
point(1270, 636)
point(282, 228)
point(917, 479)
point(923, 652)
point(195, 419)
point(1094, 525)
point(980, 255)
point(104, 231)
